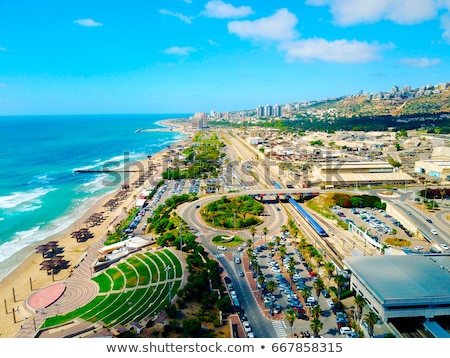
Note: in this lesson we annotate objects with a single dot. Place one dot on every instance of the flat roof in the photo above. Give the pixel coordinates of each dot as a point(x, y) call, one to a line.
point(364, 177)
point(405, 277)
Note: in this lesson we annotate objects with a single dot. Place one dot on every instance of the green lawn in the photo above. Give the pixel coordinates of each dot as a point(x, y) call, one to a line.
point(134, 289)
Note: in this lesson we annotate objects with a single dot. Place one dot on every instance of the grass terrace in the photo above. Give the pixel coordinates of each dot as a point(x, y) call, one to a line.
point(134, 289)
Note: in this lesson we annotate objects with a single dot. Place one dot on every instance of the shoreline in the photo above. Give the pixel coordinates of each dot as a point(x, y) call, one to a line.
point(28, 277)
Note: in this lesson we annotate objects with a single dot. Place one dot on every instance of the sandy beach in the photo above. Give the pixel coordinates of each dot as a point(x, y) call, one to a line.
point(28, 277)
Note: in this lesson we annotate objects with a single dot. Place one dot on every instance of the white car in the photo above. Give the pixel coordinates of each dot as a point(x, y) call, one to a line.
point(433, 231)
point(247, 327)
point(418, 248)
point(444, 246)
point(221, 248)
point(330, 303)
point(346, 330)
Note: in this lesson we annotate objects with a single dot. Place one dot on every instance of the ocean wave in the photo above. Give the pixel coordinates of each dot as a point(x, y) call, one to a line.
point(94, 185)
point(29, 208)
point(17, 199)
point(27, 239)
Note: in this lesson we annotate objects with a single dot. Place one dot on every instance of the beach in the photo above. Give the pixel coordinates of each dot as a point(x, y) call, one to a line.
point(28, 277)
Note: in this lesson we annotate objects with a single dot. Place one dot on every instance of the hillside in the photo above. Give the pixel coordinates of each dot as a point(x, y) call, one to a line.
point(424, 100)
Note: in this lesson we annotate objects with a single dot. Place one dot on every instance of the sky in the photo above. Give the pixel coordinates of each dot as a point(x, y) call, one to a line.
point(186, 56)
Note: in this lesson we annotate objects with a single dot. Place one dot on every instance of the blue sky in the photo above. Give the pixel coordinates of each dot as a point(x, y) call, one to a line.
point(185, 56)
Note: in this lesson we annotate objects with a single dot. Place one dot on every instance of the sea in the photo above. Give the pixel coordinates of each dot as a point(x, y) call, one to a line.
point(41, 192)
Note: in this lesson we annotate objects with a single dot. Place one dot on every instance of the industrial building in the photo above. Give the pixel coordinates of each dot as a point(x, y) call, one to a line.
point(354, 174)
point(403, 286)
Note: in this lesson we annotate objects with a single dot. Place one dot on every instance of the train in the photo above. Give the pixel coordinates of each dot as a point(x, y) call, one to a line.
point(317, 228)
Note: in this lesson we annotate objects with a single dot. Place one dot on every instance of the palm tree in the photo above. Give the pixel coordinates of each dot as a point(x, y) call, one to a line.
point(291, 271)
point(282, 251)
point(340, 280)
point(371, 318)
point(305, 292)
point(316, 312)
point(277, 240)
point(329, 269)
point(318, 286)
point(271, 287)
point(291, 316)
point(360, 302)
point(253, 232)
point(261, 279)
point(265, 231)
point(295, 233)
point(271, 245)
point(316, 325)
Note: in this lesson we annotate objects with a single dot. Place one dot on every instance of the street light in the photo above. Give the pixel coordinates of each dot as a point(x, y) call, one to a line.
point(168, 269)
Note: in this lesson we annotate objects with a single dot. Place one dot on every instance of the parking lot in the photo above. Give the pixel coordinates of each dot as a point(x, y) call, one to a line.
point(377, 222)
point(287, 294)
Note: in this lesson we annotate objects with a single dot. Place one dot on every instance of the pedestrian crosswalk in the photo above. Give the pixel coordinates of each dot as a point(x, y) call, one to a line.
point(217, 256)
point(279, 328)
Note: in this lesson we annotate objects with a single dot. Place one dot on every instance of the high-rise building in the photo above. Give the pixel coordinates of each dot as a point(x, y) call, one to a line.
point(268, 110)
point(259, 111)
point(276, 112)
point(202, 119)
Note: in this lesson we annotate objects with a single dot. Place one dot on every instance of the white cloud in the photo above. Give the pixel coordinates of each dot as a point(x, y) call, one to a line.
point(279, 26)
point(186, 19)
point(420, 62)
point(340, 51)
point(87, 23)
point(213, 43)
point(219, 9)
point(182, 51)
point(445, 25)
point(351, 12)
point(4, 49)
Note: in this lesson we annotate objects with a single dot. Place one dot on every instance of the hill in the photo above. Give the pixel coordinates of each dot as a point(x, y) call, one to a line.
point(430, 99)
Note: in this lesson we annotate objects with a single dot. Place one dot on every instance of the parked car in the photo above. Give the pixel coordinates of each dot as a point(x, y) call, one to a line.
point(247, 327)
point(222, 248)
point(346, 330)
point(330, 303)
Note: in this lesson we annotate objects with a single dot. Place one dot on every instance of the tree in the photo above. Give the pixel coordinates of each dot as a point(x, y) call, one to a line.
point(318, 286)
point(316, 312)
point(340, 280)
point(360, 302)
point(261, 279)
point(291, 316)
point(192, 327)
point(305, 292)
point(271, 287)
point(265, 231)
point(282, 251)
point(329, 269)
point(371, 318)
point(316, 325)
point(252, 232)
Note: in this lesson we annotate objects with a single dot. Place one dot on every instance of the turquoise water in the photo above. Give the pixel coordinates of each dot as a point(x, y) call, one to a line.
point(40, 192)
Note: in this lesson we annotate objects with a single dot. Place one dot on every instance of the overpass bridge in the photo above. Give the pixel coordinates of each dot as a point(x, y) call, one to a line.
point(280, 192)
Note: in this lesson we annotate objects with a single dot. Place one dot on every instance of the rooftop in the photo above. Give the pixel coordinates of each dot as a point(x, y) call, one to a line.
point(409, 277)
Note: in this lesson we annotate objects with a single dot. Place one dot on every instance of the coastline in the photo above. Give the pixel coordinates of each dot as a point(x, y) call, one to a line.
point(28, 277)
